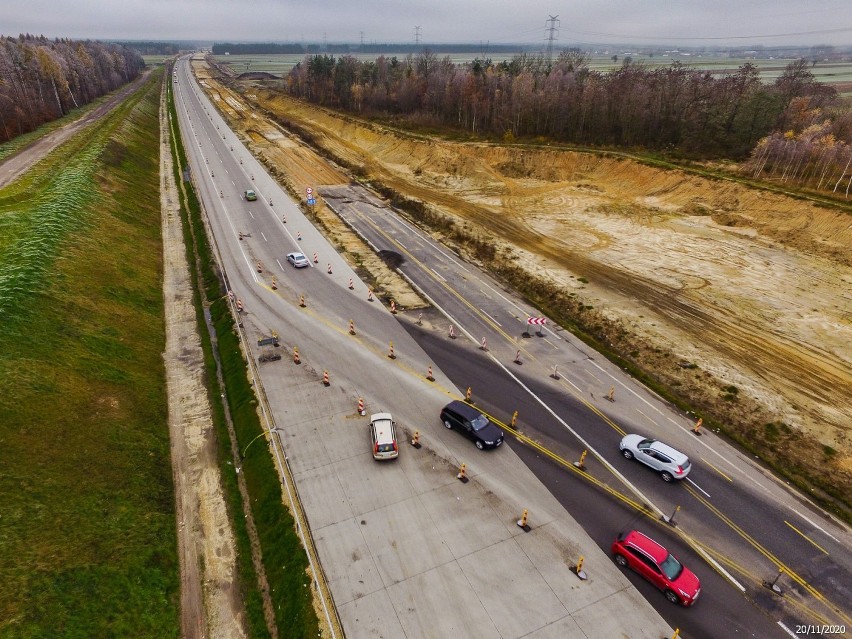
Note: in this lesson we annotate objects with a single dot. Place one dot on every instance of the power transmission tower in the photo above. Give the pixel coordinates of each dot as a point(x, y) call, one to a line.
point(552, 29)
point(417, 36)
point(362, 39)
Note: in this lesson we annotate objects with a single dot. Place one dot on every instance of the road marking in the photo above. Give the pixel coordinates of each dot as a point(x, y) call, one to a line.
point(252, 214)
point(279, 264)
point(507, 300)
point(645, 416)
point(804, 536)
point(717, 470)
point(787, 630)
point(263, 236)
point(484, 293)
point(625, 387)
point(697, 486)
point(438, 275)
point(822, 530)
point(765, 552)
point(491, 318)
point(555, 347)
point(402, 245)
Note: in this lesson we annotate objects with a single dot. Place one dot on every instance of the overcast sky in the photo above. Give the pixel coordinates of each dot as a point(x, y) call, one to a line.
point(685, 22)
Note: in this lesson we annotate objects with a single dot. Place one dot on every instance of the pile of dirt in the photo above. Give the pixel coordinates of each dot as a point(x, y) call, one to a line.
point(750, 289)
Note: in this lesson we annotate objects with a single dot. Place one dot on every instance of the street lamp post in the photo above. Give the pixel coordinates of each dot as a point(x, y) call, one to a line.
point(271, 430)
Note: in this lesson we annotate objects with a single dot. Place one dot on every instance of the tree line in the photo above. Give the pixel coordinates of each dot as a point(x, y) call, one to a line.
point(677, 109)
point(42, 79)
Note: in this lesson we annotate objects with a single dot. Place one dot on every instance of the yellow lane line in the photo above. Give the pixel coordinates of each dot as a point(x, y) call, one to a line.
point(769, 555)
point(704, 460)
point(804, 536)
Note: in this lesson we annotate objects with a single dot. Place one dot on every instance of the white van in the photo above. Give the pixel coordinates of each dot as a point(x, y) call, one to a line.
point(383, 434)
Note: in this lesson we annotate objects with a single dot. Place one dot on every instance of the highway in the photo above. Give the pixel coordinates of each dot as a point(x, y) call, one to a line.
point(745, 525)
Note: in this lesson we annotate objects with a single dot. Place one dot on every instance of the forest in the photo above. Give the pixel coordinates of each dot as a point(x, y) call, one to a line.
point(42, 79)
point(795, 129)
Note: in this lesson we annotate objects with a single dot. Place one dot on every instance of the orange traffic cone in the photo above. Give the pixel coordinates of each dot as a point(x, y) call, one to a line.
point(296, 359)
point(325, 381)
point(429, 375)
point(370, 295)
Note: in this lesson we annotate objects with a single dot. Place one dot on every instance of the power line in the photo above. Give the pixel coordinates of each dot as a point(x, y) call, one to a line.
point(553, 23)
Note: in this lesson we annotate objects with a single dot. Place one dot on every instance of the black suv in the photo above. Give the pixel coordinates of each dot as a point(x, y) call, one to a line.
point(472, 424)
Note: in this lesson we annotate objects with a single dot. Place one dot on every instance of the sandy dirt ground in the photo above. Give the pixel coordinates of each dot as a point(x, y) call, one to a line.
point(739, 298)
point(211, 605)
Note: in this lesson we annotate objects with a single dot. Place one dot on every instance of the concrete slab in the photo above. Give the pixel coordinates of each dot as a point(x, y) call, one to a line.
point(565, 628)
point(424, 609)
point(404, 541)
point(608, 618)
point(349, 567)
point(370, 485)
point(553, 552)
point(370, 617)
point(463, 517)
point(517, 598)
point(322, 495)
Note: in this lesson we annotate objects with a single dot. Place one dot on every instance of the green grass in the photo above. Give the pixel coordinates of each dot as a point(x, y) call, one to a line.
point(87, 532)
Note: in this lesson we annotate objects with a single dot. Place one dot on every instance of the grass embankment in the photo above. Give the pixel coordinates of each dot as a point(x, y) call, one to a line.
point(87, 531)
point(284, 559)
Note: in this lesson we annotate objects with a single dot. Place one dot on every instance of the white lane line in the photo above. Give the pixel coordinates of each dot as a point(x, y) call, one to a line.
point(252, 214)
point(718, 567)
point(491, 318)
point(593, 375)
point(555, 347)
point(645, 416)
point(438, 275)
point(401, 244)
point(263, 236)
point(788, 631)
point(279, 264)
point(572, 384)
point(697, 486)
point(484, 293)
point(627, 388)
point(506, 299)
point(822, 530)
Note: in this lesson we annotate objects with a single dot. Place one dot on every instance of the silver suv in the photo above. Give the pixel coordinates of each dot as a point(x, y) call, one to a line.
point(670, 463)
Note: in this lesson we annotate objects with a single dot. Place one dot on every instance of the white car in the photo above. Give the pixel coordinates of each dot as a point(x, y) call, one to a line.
point(383, 436)
point(670, 463)
point(298, 260)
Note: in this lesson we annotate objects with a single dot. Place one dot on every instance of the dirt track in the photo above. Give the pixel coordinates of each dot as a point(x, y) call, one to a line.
point(751, 287)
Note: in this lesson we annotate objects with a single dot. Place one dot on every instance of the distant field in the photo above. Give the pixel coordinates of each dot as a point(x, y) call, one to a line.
point(834, 73)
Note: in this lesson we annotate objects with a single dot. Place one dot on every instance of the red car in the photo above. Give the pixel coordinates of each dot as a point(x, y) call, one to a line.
point(657, 565)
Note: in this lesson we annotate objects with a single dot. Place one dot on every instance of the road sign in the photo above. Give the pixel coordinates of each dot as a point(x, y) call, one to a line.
point(311, 201)
point(537, 320)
